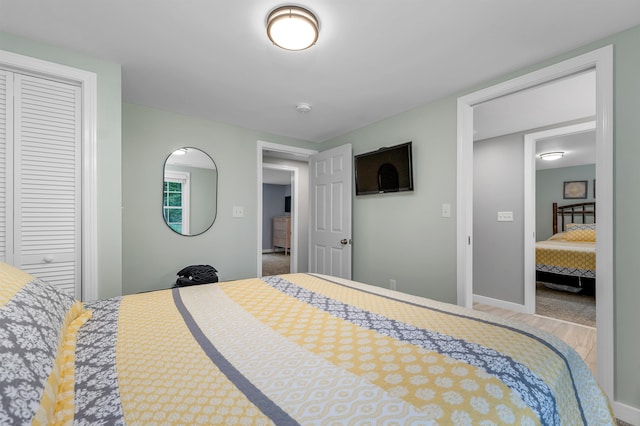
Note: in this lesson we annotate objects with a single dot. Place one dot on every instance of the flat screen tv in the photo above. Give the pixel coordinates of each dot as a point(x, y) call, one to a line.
point(385, 170)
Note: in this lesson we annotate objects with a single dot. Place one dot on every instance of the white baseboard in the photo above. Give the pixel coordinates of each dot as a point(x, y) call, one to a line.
point(498, 303)
point(626, 413)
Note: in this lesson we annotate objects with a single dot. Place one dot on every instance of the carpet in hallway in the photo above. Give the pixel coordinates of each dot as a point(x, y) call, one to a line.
point(573, 307)
point(275, 264)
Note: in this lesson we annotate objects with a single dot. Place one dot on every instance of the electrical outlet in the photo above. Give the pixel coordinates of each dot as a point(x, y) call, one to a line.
point(393, 285)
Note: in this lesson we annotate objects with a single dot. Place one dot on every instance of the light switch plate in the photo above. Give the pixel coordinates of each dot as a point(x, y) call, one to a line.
point(238, 211)
point(505, 216)
point(446, 210)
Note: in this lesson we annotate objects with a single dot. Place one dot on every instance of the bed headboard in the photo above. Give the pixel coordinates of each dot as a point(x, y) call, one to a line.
point(576, 213)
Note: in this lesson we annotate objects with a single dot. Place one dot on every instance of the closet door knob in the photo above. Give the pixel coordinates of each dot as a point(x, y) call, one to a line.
point(48, 258)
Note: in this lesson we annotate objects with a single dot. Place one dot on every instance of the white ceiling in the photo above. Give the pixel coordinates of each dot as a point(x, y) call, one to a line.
point(374, 58)
point(276, 177)
point(579, 149)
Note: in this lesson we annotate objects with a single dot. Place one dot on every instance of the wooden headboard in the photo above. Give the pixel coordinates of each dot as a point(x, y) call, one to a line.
point(580, 211)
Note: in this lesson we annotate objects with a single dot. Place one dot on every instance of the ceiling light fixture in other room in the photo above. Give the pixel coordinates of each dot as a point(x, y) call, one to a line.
point(550, 156)
point(292, 28)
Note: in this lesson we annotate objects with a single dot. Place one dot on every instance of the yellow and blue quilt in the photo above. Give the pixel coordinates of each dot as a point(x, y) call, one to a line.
point(306, 349)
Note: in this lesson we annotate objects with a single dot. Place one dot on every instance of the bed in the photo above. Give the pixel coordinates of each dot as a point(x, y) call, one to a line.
point(567, 260)
point(286, 350)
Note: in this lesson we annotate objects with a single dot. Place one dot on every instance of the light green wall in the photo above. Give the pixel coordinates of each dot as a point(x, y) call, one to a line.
point(152, 253)
point(108, 147)
point(549, 189)
point(403, 236)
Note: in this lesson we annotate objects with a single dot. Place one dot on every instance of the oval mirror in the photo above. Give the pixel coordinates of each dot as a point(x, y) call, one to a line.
point(189, 194)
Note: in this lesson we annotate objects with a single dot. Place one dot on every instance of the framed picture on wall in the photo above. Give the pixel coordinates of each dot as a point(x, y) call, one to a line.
point(575, 189)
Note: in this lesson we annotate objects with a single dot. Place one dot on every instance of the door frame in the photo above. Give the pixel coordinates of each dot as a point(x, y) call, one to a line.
point(530, 140)
point(89, 94)
point(303, 154)
point(602, 61)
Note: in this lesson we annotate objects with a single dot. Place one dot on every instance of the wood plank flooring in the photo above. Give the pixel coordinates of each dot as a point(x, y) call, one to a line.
point(579, 337)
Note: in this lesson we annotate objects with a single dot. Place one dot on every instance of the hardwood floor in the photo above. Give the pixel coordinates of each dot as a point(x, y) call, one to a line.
point(579, 337)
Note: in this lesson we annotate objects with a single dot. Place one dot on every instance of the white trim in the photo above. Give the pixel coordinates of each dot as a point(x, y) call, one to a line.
point(530, 141)
point(499, 303)
point(626, 413)
point(529, 224)
point(262, 146)
point(602, 60)
point(88, 82)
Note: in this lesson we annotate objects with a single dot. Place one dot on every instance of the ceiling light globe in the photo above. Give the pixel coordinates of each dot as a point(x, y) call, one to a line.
point(550, 156)
point(292, 28)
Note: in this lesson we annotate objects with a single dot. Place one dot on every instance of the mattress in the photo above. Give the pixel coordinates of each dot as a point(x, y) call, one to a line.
point(575, 258)
point(286, 350)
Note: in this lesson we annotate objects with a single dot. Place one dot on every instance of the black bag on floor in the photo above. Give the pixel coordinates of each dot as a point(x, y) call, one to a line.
point(196, 274)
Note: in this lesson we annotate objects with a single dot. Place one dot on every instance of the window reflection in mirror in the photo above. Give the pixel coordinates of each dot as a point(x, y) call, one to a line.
point(189, 194)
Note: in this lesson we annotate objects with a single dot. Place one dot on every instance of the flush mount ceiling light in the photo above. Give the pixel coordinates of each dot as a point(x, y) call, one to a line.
point(550, 156)
point(292, 28)
point(303, 107)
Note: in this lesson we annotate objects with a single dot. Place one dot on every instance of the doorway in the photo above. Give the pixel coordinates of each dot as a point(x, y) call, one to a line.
point(602, 61)
point(279, 184)
point(294, 160)
point(544, 180)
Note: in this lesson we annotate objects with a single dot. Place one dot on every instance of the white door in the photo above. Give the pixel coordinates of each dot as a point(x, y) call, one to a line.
point(41, 169)
point(330, 183)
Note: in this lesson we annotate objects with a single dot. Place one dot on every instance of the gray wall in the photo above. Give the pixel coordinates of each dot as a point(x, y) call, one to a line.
point(498, 248)
point(109, 143)
point(549, 189)
point(272, 206)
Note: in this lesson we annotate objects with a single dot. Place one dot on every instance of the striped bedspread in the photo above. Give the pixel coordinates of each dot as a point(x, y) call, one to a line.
point(306, 349)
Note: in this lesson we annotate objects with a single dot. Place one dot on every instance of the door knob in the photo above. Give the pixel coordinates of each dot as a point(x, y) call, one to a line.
point(345, 241)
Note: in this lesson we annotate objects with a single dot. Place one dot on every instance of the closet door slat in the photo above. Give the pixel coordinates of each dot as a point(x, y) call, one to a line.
point(6, 166)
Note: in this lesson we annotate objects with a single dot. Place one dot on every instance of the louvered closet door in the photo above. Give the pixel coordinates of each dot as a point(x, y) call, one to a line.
point(47, 209)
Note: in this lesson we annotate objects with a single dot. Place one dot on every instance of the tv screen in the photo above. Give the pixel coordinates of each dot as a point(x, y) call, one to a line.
point(287, 204)
point(385, 170)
